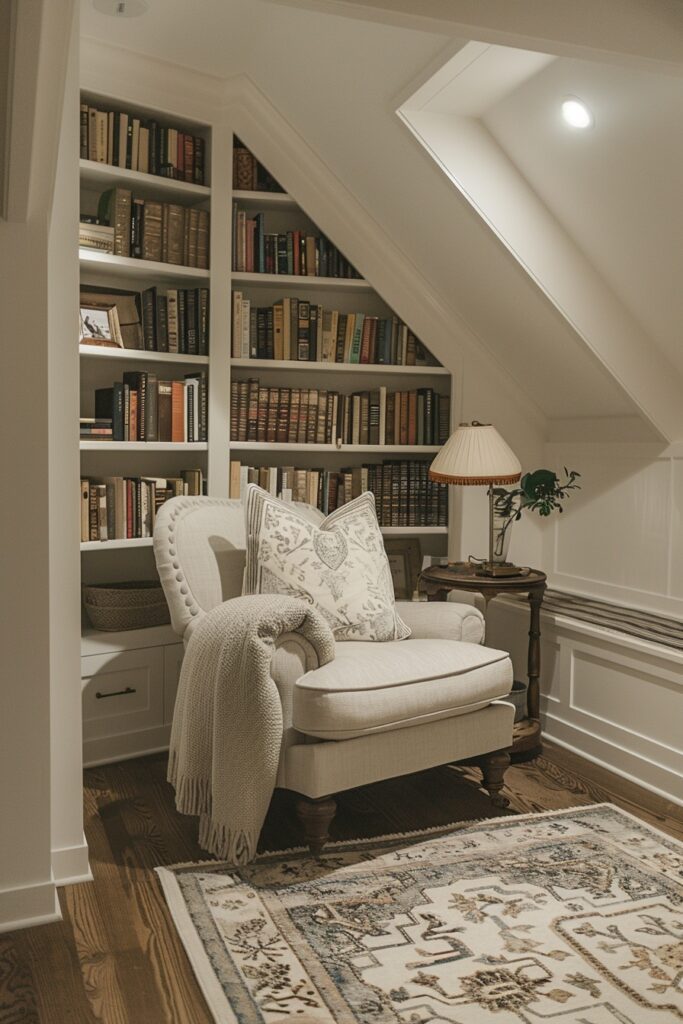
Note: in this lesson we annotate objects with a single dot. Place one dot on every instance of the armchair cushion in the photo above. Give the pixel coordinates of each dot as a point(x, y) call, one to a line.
point(371, 688)
point(442, 620)
point(340, 567)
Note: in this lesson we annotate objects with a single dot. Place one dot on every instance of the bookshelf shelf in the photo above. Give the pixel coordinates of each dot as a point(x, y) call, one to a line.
point(300, 282)
point(127, 268)
point(103, 176)
point(143, 446)
point(140, 355)
point(146, 542)
point(332, 449)
point(381, 369)
point(265, 200)
point(110, 545)
point(414, 531)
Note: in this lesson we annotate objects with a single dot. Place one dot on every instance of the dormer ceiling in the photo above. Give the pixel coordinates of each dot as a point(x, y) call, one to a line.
point(559, 253)
point(591, 214)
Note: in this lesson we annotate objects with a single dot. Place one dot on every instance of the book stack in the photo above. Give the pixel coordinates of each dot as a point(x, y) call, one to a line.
point(404, 494)
point(318, 416)
point(289, 252)
point(248, 174)
point(92, 429)
point(301, 330)
point(150, 230)
point(123, 507)
point(141, 144)
point(93, 235)
point(143, 408)
point(176, 321)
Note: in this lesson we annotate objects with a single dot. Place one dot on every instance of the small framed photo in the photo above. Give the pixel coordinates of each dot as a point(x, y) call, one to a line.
point(405, 562)
point(99, 325)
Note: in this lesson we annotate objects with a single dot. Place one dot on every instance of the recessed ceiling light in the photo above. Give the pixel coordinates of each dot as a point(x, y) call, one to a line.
point(576, 113)
point(121, 8)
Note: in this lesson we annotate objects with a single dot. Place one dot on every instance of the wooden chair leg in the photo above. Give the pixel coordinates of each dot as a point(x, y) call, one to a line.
point(493, 767)
point(315, 817)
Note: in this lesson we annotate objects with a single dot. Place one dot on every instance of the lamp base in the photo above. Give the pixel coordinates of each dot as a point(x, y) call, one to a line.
point(498, 569)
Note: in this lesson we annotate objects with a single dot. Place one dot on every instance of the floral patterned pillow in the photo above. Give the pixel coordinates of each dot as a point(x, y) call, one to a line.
point(340, 566)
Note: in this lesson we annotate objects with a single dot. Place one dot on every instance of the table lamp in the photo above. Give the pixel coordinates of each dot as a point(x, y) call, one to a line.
point(476, 454)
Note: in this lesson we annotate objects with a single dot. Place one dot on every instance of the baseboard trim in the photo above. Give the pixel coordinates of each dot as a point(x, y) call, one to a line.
point(28, 906)
point(70, 864)
point(625, 763)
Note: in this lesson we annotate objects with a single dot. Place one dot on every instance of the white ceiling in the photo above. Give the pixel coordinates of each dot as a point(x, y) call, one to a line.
point(338, 81)
point(615, 188)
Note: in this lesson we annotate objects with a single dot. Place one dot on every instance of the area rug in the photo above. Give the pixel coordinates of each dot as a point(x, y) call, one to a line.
point(573, 917)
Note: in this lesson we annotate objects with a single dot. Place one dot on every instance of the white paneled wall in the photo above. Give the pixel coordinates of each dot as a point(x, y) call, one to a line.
point(612, 698)
point(621, 536)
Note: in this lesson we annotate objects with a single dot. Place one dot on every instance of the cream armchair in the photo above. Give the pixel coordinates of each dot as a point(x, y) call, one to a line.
point(378, 710)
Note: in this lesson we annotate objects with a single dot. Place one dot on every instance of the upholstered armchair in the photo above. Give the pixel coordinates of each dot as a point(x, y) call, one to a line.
point(378, 710)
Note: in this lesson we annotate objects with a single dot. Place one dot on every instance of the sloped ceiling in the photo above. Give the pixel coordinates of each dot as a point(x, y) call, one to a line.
point(338, 81)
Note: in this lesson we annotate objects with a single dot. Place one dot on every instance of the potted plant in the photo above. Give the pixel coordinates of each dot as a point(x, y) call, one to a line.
point(540, 491)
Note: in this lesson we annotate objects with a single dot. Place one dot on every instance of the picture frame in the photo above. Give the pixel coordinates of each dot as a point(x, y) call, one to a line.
point(405, 562)
point(128, 310)
point(99, 325)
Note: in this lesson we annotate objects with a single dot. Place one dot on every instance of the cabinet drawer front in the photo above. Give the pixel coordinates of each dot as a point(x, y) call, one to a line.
point(173, 661)
point(122, 692)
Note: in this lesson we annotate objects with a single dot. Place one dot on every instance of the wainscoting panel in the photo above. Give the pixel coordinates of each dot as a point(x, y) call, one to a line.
point(615, 699)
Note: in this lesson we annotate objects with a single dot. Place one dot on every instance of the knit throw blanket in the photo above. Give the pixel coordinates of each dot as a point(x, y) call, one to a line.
point(227, 725)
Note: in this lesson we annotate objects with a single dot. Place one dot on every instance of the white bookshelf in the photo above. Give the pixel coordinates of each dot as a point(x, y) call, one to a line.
point(100, 177)
point(140, 355)
point(132, 558)
point(300, 282)
point(347, 294)
point(373, 369)
point(379, 450)
point(144, 446)
point(127, 268)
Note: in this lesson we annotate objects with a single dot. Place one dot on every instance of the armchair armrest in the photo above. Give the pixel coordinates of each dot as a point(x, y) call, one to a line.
point(442, 620)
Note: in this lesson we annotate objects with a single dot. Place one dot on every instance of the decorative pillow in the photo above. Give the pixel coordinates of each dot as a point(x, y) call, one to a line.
point(340, 566)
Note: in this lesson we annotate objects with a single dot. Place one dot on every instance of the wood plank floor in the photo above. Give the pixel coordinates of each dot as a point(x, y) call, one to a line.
point(116, 959)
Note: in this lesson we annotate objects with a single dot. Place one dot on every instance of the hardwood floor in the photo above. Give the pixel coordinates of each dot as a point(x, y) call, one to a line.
point(116, 959)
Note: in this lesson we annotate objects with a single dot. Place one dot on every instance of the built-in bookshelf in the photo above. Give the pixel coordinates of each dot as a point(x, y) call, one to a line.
point(373, 367)
point(145, 201)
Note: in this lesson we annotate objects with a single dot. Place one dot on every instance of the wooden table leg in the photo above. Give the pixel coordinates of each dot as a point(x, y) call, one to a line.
point(527, 733)
point(534, 659)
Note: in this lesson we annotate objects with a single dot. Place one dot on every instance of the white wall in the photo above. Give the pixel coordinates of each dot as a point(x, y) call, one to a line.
point(621, 537)
point(69, 849)
point(27, 893)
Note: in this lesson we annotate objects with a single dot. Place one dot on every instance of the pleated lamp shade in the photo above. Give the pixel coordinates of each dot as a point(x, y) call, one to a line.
point(476, 454)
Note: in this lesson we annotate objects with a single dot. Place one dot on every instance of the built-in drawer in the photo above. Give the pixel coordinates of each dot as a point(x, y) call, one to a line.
point(122, 692)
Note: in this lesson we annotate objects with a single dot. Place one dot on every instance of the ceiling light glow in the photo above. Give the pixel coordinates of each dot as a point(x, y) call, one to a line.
point(576, 114)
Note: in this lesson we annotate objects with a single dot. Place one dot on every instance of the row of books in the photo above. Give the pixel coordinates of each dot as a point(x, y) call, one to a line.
point(143, 408)
point(404, 494)
point(123, 507)
point(319, 416)
point(141, 144)
point(149, 230)
point(248, 174)
point(301, 330)
point(288, 252)
point(177, 321)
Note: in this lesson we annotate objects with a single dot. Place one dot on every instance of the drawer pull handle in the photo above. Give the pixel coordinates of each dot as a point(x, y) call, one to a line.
point(116, 693)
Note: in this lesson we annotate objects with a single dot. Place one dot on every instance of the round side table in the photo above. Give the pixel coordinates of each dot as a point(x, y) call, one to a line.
point(438, 581)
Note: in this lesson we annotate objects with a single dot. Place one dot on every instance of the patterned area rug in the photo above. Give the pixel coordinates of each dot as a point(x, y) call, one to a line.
point(573, 917)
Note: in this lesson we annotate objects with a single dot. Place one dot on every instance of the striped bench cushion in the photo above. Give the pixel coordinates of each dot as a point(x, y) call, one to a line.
point(644, 625)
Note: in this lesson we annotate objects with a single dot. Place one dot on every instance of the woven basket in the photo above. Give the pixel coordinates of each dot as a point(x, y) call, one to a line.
point(119, 606)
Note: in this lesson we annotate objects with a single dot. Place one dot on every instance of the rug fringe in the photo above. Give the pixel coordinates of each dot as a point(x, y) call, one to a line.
point(453, 826)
